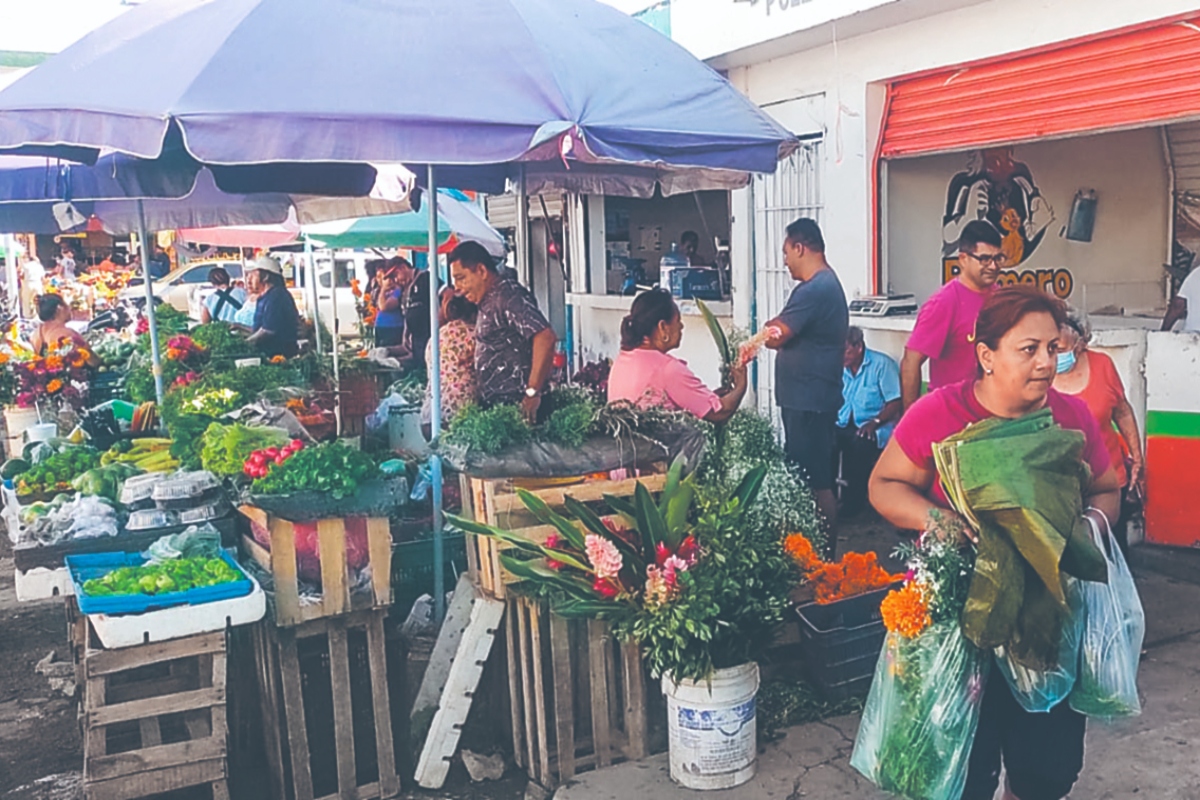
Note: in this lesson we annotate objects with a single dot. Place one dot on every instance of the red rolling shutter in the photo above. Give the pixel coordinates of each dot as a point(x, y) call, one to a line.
point(1131, 78)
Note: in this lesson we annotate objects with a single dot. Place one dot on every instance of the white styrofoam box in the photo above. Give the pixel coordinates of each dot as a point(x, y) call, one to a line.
point(128, 630)
point(42, 583)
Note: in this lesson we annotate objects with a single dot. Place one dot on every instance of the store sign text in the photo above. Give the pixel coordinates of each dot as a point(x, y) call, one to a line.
point(777, 5)
point(1059, 282)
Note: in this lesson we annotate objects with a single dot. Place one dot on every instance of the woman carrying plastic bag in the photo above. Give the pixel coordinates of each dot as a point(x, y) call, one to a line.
point(1113, 630)
point(919, 722)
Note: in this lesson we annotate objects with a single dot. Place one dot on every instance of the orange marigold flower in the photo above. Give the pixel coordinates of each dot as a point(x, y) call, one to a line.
point(905, 611)
point(174, 353)
point(3, 358)
point(801, 550)
point(278, 359)
point(54, 363)
point(54, 385)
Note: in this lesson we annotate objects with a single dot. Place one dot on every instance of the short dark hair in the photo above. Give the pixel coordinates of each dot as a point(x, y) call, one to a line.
point(649, 308)
point(807, 232)
point(978, 231)
point(374, 265)
point(472, 255)
point(854, 336)
point(48, 305)
point(1008, 305)
point(459, 307)
point(217, 276)
point(396, 262)
point(689, 236)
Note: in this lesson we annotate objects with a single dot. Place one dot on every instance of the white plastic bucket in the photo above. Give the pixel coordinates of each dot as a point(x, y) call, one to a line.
point(713, 732)
point(17, 421)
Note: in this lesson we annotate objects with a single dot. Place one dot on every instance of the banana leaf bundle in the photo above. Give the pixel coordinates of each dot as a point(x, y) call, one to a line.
point(1019, 483)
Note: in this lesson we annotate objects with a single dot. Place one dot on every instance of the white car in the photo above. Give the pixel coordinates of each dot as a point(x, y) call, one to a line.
point(185, 288)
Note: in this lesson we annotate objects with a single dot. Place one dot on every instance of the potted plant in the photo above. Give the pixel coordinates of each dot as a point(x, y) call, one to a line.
point(700, 592)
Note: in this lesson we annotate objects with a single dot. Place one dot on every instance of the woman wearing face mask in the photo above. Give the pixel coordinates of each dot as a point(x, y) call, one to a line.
point(1092, 377)
point(1016, 344)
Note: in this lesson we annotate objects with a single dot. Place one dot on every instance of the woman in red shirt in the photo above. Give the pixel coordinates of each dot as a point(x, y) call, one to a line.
point(1092, 377)
point(1016, 344)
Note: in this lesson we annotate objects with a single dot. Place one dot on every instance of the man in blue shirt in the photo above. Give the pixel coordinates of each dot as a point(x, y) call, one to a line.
point(276, 320)
point(810, 337)
point(871, 405)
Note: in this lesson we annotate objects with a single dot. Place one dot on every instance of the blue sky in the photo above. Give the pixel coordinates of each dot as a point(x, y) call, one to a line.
point(51, 25)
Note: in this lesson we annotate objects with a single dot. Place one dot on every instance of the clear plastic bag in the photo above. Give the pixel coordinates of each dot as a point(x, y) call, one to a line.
point(921, 714)
point(1112, 639)
point(1038, 691)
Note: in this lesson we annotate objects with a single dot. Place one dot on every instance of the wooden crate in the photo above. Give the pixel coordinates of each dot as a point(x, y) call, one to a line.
point(336, 580)
point(306, 674)
point(153, 716)
point(493, 501)
point(578, 697)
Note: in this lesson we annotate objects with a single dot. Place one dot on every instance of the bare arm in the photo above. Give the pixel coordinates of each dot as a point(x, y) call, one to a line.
point(1176, 311)
point(205, 316)
point(910, 377)
point(897, 489)
point(780, 334)
point(1127, 425)
point(539, 371)
point(731, 399)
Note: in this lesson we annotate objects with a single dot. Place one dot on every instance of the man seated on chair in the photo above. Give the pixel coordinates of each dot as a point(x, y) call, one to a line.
point(871, 406)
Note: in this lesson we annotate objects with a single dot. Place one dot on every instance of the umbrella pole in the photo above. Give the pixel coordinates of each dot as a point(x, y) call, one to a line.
point(155, 356)
point(435, 393)
point(314, 297)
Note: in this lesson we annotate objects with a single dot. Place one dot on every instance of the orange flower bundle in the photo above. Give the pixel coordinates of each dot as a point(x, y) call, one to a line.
point(854, 574)
point(905, 611)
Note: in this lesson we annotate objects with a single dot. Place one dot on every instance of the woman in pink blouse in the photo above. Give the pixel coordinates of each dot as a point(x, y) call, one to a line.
point(644, 373)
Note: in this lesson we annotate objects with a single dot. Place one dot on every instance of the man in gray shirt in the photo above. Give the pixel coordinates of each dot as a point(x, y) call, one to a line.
point(810, 342)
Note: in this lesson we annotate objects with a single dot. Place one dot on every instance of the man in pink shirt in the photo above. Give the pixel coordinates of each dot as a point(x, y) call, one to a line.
point(946, 323)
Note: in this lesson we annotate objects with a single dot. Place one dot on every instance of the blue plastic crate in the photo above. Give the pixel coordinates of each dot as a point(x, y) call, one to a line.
point(86, 566)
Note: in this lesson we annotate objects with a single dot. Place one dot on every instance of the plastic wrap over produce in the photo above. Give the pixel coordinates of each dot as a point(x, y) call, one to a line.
point(308, 553)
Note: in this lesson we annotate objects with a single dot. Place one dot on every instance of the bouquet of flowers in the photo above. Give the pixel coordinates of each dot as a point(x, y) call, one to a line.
point(920, 717)
point(679, 575)
point(59, 375)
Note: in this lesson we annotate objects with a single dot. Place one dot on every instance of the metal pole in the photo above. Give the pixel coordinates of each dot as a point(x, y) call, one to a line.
point(11, 277)
point(435, 394)
point(155, 356)
point(314, 297)
point(333, 318)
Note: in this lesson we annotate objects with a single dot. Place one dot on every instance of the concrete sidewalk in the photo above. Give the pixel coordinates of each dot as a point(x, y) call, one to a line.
point(1151, 756)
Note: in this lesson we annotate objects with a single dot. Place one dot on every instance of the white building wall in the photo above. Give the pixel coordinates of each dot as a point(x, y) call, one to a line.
point(850, 70)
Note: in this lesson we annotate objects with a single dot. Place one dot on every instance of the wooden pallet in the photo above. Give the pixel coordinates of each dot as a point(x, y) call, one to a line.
point(578, 697)
point(280, 561)
point(153, 716)
point(292, 696)
point(494, 502)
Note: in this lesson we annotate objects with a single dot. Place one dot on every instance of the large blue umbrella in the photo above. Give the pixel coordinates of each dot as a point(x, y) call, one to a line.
point(566, 94)
point(468, 83)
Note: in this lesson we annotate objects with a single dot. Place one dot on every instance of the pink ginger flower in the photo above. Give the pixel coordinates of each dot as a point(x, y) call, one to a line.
point(658, 593)
point(671, 569)
point(603, 555)
point(553, 541)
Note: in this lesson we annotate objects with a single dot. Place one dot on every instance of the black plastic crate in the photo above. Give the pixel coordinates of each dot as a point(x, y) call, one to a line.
point(840, 643)
point(412, 567)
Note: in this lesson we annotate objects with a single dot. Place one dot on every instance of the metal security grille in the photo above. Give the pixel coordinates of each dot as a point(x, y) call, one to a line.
point(793, 190)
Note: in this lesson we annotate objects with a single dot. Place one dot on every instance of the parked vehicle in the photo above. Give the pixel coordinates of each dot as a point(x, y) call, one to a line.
point(184, 288)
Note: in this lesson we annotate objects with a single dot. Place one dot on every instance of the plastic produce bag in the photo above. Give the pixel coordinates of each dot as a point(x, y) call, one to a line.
point(921, 714)
point(196, 541)
point(1112, 639)
point(1038, 691)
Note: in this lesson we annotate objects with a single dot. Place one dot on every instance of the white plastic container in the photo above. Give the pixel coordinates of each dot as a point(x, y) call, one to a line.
point(713, 731)
point(16, 422)
point(41, 432)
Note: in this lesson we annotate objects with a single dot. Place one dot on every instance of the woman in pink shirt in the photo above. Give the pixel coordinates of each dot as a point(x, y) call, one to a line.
point(644, 373)
point(1016, 346)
